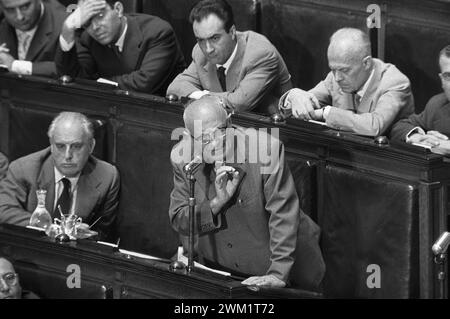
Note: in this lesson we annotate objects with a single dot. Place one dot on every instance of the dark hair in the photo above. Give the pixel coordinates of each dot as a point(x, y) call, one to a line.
point(220, 8)
point(445, 52)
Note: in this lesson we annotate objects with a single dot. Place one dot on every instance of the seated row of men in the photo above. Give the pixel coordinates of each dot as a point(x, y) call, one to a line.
point(140, 52)
point(249, 220)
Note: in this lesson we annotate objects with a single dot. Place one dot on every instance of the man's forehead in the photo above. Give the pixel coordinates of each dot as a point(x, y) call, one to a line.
point(444, 64)
point(208, 26)
point(15, 3)
point(5, 266)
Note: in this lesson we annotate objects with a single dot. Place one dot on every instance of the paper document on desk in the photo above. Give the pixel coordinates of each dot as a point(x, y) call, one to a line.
point(317, 122)
point(181, 257)
point(422, 145)
point(131, 253)
point(102, 80)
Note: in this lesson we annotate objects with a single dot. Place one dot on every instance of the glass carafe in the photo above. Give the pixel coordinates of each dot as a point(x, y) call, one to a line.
point(41, 217)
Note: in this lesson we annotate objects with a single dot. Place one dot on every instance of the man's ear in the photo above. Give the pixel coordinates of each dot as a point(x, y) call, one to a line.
point(92, 146)
point(118, 6)
point(367, 62)
point(233, 32)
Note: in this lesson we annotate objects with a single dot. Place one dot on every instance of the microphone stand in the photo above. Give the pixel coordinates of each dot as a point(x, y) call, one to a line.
point(439, 260)
point(191, 178)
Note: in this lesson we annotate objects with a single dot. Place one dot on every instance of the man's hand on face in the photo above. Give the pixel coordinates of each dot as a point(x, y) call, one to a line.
point(303, 104)
point(85, 11)
point(267, 280)
point(6, 59)
point(227, 180)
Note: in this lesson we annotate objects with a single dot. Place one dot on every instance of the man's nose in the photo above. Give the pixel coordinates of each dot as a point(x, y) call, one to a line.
point(68, 153)
point(209, 47)
point(19, 15)
point(3, 286)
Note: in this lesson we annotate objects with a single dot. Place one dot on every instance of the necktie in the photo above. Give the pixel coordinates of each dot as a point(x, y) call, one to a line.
point(356, 100)
point(64, 199)
point(221, 76)
point(115, 49)
point(24, 44)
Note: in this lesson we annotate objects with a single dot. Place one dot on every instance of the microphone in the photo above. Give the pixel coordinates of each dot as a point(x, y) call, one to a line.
point(192, 166)
point(441, 245)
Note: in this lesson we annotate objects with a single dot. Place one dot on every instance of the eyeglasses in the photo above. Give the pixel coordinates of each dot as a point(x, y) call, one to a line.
point(445, 76)
point(215, 134)
point(10, 278)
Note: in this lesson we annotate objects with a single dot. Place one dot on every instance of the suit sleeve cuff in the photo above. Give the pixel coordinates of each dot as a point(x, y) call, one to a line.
point(65, 46)
point(22, 67)
point(208, 221)
point(416, 130)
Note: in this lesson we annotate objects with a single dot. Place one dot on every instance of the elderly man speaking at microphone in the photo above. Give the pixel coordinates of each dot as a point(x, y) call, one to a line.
point(249, 221)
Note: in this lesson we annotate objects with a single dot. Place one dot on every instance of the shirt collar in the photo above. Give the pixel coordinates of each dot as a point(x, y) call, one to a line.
point(31, 32)
point(73, 180)
point(121, 40)
point(366, 85)
point(227, 64)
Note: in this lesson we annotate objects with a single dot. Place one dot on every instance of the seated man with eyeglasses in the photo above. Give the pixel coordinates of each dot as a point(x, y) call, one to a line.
point(9, 283)
point(249, 220)
point(361, 94)
point(432, 126)
point(140, 52)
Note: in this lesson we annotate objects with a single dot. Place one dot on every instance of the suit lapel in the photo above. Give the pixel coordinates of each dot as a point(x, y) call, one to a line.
point(213, 79)
point(366, 101)
point(235, 67)
point(132, 44)
point(87, 192)
point(46, 180)
point(11, 39)
point(40, 38)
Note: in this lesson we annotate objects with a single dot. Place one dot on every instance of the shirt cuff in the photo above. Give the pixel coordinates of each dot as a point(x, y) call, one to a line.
point(416, 130)
point(326, 112)
point(198, 94)
point(22, 67)
point(65, 46)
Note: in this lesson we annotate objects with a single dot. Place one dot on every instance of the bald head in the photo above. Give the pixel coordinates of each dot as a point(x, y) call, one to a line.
point(349, 44)
point(208, 110)
point(349, 59)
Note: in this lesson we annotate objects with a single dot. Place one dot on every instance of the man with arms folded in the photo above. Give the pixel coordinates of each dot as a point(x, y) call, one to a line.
point(361, 94)
point(243, 68)
point(248, 214)
point(29, 35)
point(74, 179)
point(432, 126)
point(138, 51)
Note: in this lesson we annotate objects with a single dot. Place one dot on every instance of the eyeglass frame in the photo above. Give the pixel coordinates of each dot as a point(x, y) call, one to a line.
point(11, 281)
point(445, 76)
point(211, 136)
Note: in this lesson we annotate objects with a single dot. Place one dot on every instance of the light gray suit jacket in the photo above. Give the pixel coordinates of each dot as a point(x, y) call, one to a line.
point(262, 230)
point(388, 98)
point(97, 195)
point(256, 78)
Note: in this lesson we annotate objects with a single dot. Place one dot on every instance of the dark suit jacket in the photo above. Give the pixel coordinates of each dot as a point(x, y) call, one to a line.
point(435, 117)
point(98, 189)
point(261, 227)
point(3, 166)
point(256, 79)
point(150, 59)
point(45, 41)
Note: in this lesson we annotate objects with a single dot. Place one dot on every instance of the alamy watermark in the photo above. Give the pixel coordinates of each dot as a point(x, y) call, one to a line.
point(229, 145)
